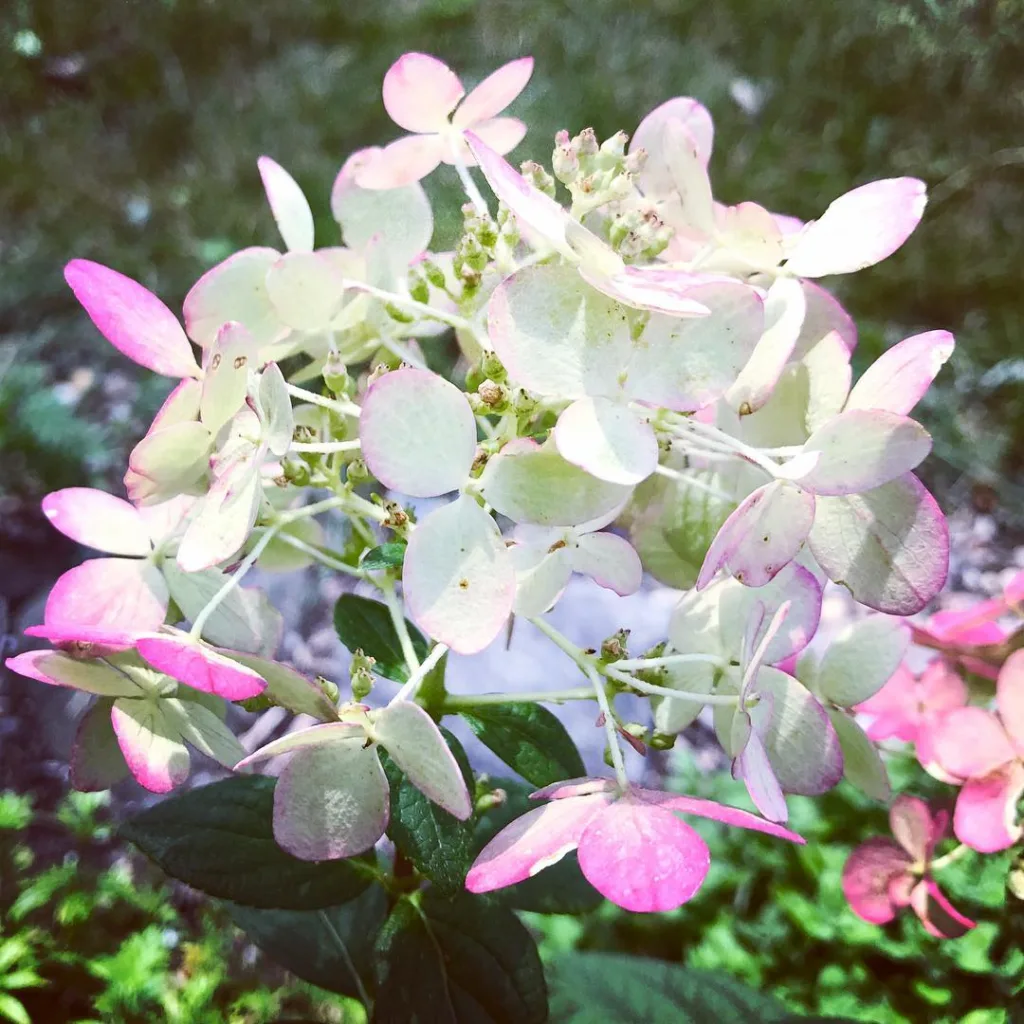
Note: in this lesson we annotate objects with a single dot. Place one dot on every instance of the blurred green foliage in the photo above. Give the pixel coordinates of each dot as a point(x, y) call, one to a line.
point(132, 131)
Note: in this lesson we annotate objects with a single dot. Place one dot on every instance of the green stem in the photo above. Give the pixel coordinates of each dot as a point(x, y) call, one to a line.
point(405, 302)
point(325, 447)
point(324, 557)
point(364, 996)
point(398, 621)
point(408, 691)
point(458, 701)
point(949, 858)
point(637, 664)
point(340, 406)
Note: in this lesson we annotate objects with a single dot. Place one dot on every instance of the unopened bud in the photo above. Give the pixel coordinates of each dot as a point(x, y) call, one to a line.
point(614, 648)
point(419, 290)
point(398, 314)
point(296, 471)
point(361, 672)
point(330, 689)
point(336, 374)
point(357, 472)
point(494, 395)
point(376, 373)
point(433, 273)
point(586, 143)
point(615, 145)
point(635, 735)
point(491, 366)
point(636, 161)
point(525, 403)
point(662, 740)
point(538, 177)
point(620, 186)
point(565, 163)
point(488, 801)
point(397, 518)
point(261, 702)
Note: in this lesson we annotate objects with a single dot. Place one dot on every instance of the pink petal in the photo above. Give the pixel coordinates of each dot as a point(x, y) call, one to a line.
point(860, 228)
point(937, 914)
point(583, 786)
point(96, 760)
point(401, 162)
point(98, 520)
point(971, 625)
point(910, 819)
point(152, 748)
point(291, 211)
point(1010, 699)
point(534, 841)
point(898, 379)
point(717, 812)
point(971, 742)
point(86, 641)
point(502, 134)
point(642, 857)
point(608, 440)
point(200, 667)
point(940, 687)
point(494, 93)
point(1013, 592)
point(824, 314)
point(754, 768)
point(649, 288)
point(655, 178)
point(985, 817)
point(610, 561)
point(867, 875)
point(113, 594)
point(132, 319)
point(58, 669)
point(420, 92)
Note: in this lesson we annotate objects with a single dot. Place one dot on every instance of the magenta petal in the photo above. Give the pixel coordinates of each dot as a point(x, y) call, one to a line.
point(642, 857)
point(583, 786)
point(200, 667)
point(910, 819)
point(98, 520)
point(937, 914)
point(116, 594)
point(132, 319)
point(532, 842)
point(717, 812)
point(1010, 699)
point(88, 641)
point(986, 810)
point(868, 874)
point(971, 742)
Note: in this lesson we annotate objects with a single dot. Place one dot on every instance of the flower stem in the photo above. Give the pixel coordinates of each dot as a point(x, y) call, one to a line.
point(949, 858)
point(609, 725)
point(405, 302)
point(665, 691)
point(408, 691)
point(458, 701)
point(401, 629)
point(325, 447)
point(340, 406)
point(637, 664)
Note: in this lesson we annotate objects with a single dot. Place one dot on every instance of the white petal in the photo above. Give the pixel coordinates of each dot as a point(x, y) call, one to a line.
point(608, 440)
point(288, 204)
point(610, 561)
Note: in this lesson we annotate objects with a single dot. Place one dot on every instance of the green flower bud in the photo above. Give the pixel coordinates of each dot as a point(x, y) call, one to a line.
point(614, 647)
point(538, 178)
point(296, 471)
point(586, 143)
point(330, 689)
point(494, 395)
point(398, 314)
point(434, 274)
point(336, 375)
point(357, 472)
point(361, 673)
point(661, 741)
point(418, 288)
point(492, 367)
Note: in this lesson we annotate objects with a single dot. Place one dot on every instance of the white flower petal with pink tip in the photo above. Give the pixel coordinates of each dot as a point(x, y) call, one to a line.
point(235, 290)
point(57, 669)
point(642, 857)
point(306, 739)
point(754, 768)
point(541, 577)
point(859, 229)
point(98, 520)
point(132, 319)
point(229, 362)
point(607, 439)
point(420, 92)
point(502, 134)
point(722, 813)
point(203, 729)
point(494, 93)
point(971, 742)
point(151, 745)
point(331, 802)
point(306, 289)
point(610, 561)
point(167, 462)
point(861, 659)
point(164, 520)
point(96, 761)
point(688, 172)
point(401, 163)
point(458, 576)
point(824, 314)
point(418, 433)
point(762, 536)
point(415, 744)
point(827, 366)
point(534, 841)
point(653, 288)
point(112, 593)
point(654, 178)
point(898, 379)
point(863, 449)
point(288, 204)
point(200, 667)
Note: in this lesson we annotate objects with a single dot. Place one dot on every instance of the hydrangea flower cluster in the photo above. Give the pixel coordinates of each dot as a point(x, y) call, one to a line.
point(651, 382)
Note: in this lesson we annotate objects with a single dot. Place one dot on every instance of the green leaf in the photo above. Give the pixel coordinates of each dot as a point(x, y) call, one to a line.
point(558, 889)
point(529, 739)
point(331, 947)
point(593, 988)
point(11, 1009)
point(366, 625)
point(387, 556)
point(436, 842)
point(457, 961)
point(219, 839)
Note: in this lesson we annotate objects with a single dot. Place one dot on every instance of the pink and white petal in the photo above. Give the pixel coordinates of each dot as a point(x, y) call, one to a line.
point(1010, 699)
point(608, 440)
point(86, 641)
point(222, 522)
point(754, 768)
point(168, 462)
point(98, 520)
point(861, 659)
point(971, 743)
point(151, 745)
point(113, 594)
point(828, 372)
point(824, 314)
point(863, 449)
point(401, 163)
point(200, 667)
point(291, 211)
point(235, 290)
point(420, 92)
point(306, 290)
point(651, 288)
point(541, 577)
point(275, 407)
point(180, 406)
point(784, 311)
point(165, 520)
point(688, 172)
point(418, 433)
point(924, 751)
point(584, 785)
point(330, 733)
point(132, 319)
point(910, 819)
point(96, 761)
point(331, 802)
point(532, 209)
point(203, 729)
point(761, 536)
point(502, 134)
point(57, 669)
point(532, 842)
point(939, 917)
point(867, 876)
point(610, 561)
point(494, 93)
point(940, 687)
point(898, 379)
point(654, 179)
point(715, 811)
point(415, 744)
point(985, 817)
point(287, 687)
point(642, 857)
point(889, 546)
point(897, 699)
point(227, 368)
point(971, 625)
point(859, 229)
point(458, 576)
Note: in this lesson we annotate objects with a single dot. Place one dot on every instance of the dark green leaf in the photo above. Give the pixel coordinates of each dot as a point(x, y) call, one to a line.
point(529, 739)
point(559, 889)
point(219, 839)
point(387, 556)
point(328, 947)
point(457, 961)
point(366, 625)
point(593, 988)
point(436, 842)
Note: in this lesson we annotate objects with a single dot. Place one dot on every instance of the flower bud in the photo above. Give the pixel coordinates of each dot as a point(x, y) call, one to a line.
point(492, 367)
point(615, 145)
point(538, 178)
point(419, 290)
point(261, 702)
point(494, 395)
point(614, 648)
point(662, 740)
point(330, 689)
point(398, 314)
point(360, 671)
point(488, 801)
point(357, 472)
point(586, 143)
point(565, 163)
point(636, 161)
point(635, 735)
point(336, 375)
point(434, 274)
point(296, 471)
